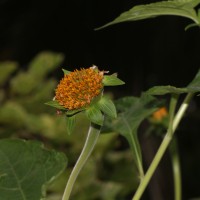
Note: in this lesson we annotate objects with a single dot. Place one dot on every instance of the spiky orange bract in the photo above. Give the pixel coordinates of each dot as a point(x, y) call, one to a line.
point(78, 88)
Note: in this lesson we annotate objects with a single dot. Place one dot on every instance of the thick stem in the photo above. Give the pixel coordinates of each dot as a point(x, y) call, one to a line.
point(165, 143)
point(91, 140)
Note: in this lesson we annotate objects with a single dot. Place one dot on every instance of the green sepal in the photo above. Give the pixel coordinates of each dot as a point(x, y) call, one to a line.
point(66, 72)
point(112, 80)
point(70, 122)
point(95, 115)
point(75, 111)
point(55, 104)
point(107, 106)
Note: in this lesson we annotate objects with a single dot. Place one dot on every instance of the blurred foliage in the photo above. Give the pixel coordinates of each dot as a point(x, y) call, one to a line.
point(109, 173)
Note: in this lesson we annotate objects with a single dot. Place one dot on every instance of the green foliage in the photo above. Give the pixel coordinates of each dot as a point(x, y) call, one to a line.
point(23, 114)
point(183, 8)
point(25, 169)
point(26, 82)
point(6, 69)
point(132, 111)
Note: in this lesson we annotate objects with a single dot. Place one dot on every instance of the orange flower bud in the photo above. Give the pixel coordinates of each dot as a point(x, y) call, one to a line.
point(160, 114)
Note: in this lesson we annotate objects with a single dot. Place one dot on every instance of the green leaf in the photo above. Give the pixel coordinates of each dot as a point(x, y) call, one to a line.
point(70, 121)
point(66, 72)
point(26, 168)
point(161, 90)
point(183, 8)
point(107, 107)
point(112, 80)
point(193, 87)
point(55, 104)
point(131, 112)
point(95, 115)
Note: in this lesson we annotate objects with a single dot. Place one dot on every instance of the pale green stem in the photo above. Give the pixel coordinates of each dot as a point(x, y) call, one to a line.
point(176, 169)
point(182, 110)
point(165, 143)
point(91, 140)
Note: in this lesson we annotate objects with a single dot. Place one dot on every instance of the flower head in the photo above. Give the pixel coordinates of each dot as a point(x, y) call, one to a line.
point(82, 91)
point(77, 89)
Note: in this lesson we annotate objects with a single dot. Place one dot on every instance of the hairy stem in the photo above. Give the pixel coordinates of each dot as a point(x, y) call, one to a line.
point(91, 140)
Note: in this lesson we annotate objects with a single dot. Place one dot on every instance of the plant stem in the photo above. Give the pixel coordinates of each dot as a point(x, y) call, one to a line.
point(176, 169)
point(173, 124)
point(182, 110)
point(91, 140)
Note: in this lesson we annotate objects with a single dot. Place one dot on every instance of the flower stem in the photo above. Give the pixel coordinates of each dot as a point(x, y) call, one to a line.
point(176, 169)
point(173, 124)
point(91, 140)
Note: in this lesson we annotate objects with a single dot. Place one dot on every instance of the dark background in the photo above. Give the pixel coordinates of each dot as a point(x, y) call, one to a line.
point(145, 53)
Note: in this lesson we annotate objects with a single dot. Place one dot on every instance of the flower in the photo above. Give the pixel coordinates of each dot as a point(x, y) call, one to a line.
point(77, 89)
point(159, 114)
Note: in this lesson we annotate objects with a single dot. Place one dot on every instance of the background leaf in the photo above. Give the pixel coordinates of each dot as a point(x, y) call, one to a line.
point(26, 82)
point(194, 86)
point(25, 168)
point(184, 8)
point(161, 90)
point(6, 69)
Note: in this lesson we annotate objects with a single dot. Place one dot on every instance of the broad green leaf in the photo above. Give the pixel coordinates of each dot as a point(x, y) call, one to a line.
point(183, 8)
point(55, 104)
point(107, 107)
point(131, 112)
point(112, 80)
point(66, 72)
point(95, 115)
point(26, 167)
point(70, 121)
point(194, 86)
